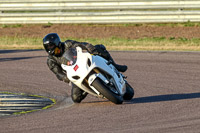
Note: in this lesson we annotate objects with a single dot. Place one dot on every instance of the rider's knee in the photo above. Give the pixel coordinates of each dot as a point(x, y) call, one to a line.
point(77, 94)
point(75, 98)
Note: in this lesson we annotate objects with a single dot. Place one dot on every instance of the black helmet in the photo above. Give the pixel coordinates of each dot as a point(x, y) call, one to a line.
point(51, 41)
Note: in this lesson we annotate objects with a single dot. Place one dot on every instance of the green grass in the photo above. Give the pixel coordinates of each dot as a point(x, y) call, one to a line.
point(11, 26)
point(112, 43)
point(20, 43)
point(184, 24)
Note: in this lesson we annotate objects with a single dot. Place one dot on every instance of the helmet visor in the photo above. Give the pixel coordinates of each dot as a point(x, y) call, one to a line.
point(50, 48)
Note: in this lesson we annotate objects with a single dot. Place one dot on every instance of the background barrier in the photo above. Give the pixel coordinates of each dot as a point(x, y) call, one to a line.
point(98, 11)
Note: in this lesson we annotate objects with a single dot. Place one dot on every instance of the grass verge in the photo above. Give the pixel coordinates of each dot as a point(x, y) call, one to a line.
point(113, 43)
point(184, 24)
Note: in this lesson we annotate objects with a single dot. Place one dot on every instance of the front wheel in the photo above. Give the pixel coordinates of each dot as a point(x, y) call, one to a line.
point(129, 92)
point(105, 91)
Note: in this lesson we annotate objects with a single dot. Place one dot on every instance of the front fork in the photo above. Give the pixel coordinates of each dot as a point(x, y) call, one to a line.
point(93, 77)
point(98, 74)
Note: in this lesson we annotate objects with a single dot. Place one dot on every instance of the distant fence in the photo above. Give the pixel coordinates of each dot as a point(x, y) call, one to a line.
point(98, 11)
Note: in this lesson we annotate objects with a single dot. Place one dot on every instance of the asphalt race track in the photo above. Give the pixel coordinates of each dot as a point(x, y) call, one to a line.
point(167, 95)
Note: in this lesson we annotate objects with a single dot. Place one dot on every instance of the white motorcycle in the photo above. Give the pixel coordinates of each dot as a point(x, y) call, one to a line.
point(96, 76)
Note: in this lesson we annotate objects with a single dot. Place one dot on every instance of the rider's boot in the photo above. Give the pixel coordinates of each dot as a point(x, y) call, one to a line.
point(77, 94)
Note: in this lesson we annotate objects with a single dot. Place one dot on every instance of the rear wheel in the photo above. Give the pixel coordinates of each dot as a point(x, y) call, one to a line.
point(129, 92)
point(105, 91)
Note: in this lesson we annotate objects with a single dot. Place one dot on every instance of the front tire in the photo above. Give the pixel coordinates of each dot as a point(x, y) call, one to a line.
point(100, 86)
point(129, 92)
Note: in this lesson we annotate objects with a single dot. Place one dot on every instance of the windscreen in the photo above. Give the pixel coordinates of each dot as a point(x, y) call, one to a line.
point(70, 56)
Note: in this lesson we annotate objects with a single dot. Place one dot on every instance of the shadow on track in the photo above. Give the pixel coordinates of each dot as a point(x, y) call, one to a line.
point(162, 98)
point(18, 58)
point(17, 51)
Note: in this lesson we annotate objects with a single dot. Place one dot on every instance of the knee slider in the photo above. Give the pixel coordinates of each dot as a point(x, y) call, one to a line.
point(76, 98)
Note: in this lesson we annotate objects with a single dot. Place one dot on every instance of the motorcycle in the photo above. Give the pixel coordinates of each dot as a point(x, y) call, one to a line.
point(96, 76)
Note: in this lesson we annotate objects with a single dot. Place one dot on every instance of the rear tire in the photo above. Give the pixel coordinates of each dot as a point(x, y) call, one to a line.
point(106, 92)
point(129, 92)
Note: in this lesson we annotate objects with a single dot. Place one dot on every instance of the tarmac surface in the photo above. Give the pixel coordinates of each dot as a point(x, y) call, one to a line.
point(167, 95)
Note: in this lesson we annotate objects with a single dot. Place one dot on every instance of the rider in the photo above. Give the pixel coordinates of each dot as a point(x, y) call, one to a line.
point(55, 48)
